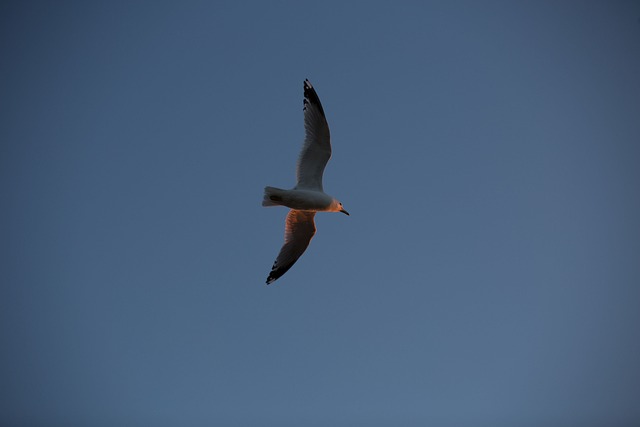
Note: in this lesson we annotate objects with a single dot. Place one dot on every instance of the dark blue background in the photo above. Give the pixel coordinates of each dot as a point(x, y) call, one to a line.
point(489, 273)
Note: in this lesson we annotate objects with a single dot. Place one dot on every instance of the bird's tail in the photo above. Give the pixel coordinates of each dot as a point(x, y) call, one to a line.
point(272, 196)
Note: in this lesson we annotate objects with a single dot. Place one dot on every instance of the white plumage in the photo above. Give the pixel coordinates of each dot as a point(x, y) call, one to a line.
point(308, 196)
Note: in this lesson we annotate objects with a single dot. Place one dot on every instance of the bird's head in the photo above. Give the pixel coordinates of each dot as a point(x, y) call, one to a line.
point(336, 206)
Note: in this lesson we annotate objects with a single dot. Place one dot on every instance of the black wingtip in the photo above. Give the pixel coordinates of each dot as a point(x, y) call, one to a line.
point(277, 271)
point(311, 96)
point(270, 277)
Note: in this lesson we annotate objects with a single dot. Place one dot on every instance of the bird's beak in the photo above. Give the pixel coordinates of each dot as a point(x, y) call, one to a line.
point(344, 212)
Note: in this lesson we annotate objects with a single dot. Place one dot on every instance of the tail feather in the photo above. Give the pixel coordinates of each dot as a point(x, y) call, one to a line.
point(272, 196)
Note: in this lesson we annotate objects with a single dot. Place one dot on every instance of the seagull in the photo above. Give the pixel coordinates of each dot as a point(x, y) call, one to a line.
point(307, 197)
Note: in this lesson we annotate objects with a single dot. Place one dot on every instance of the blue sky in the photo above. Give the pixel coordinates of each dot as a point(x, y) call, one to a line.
point(488, 154)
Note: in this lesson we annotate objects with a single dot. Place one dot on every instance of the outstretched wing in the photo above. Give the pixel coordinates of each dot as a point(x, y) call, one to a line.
point(298, 231)
point(316, 150)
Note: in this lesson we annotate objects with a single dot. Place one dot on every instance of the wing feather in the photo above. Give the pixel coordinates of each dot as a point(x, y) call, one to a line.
point(316, 150)
point(299, 229)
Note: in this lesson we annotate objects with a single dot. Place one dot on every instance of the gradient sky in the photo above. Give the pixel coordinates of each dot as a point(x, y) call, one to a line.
point(489, 273)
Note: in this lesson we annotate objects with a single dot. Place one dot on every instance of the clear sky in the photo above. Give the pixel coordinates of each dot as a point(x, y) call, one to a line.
point(489, 273)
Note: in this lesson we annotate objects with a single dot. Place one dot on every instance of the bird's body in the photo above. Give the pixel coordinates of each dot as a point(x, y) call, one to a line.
point(308, 196)
point(304, 200)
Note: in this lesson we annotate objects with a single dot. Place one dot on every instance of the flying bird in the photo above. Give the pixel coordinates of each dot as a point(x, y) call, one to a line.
point(307, 197)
